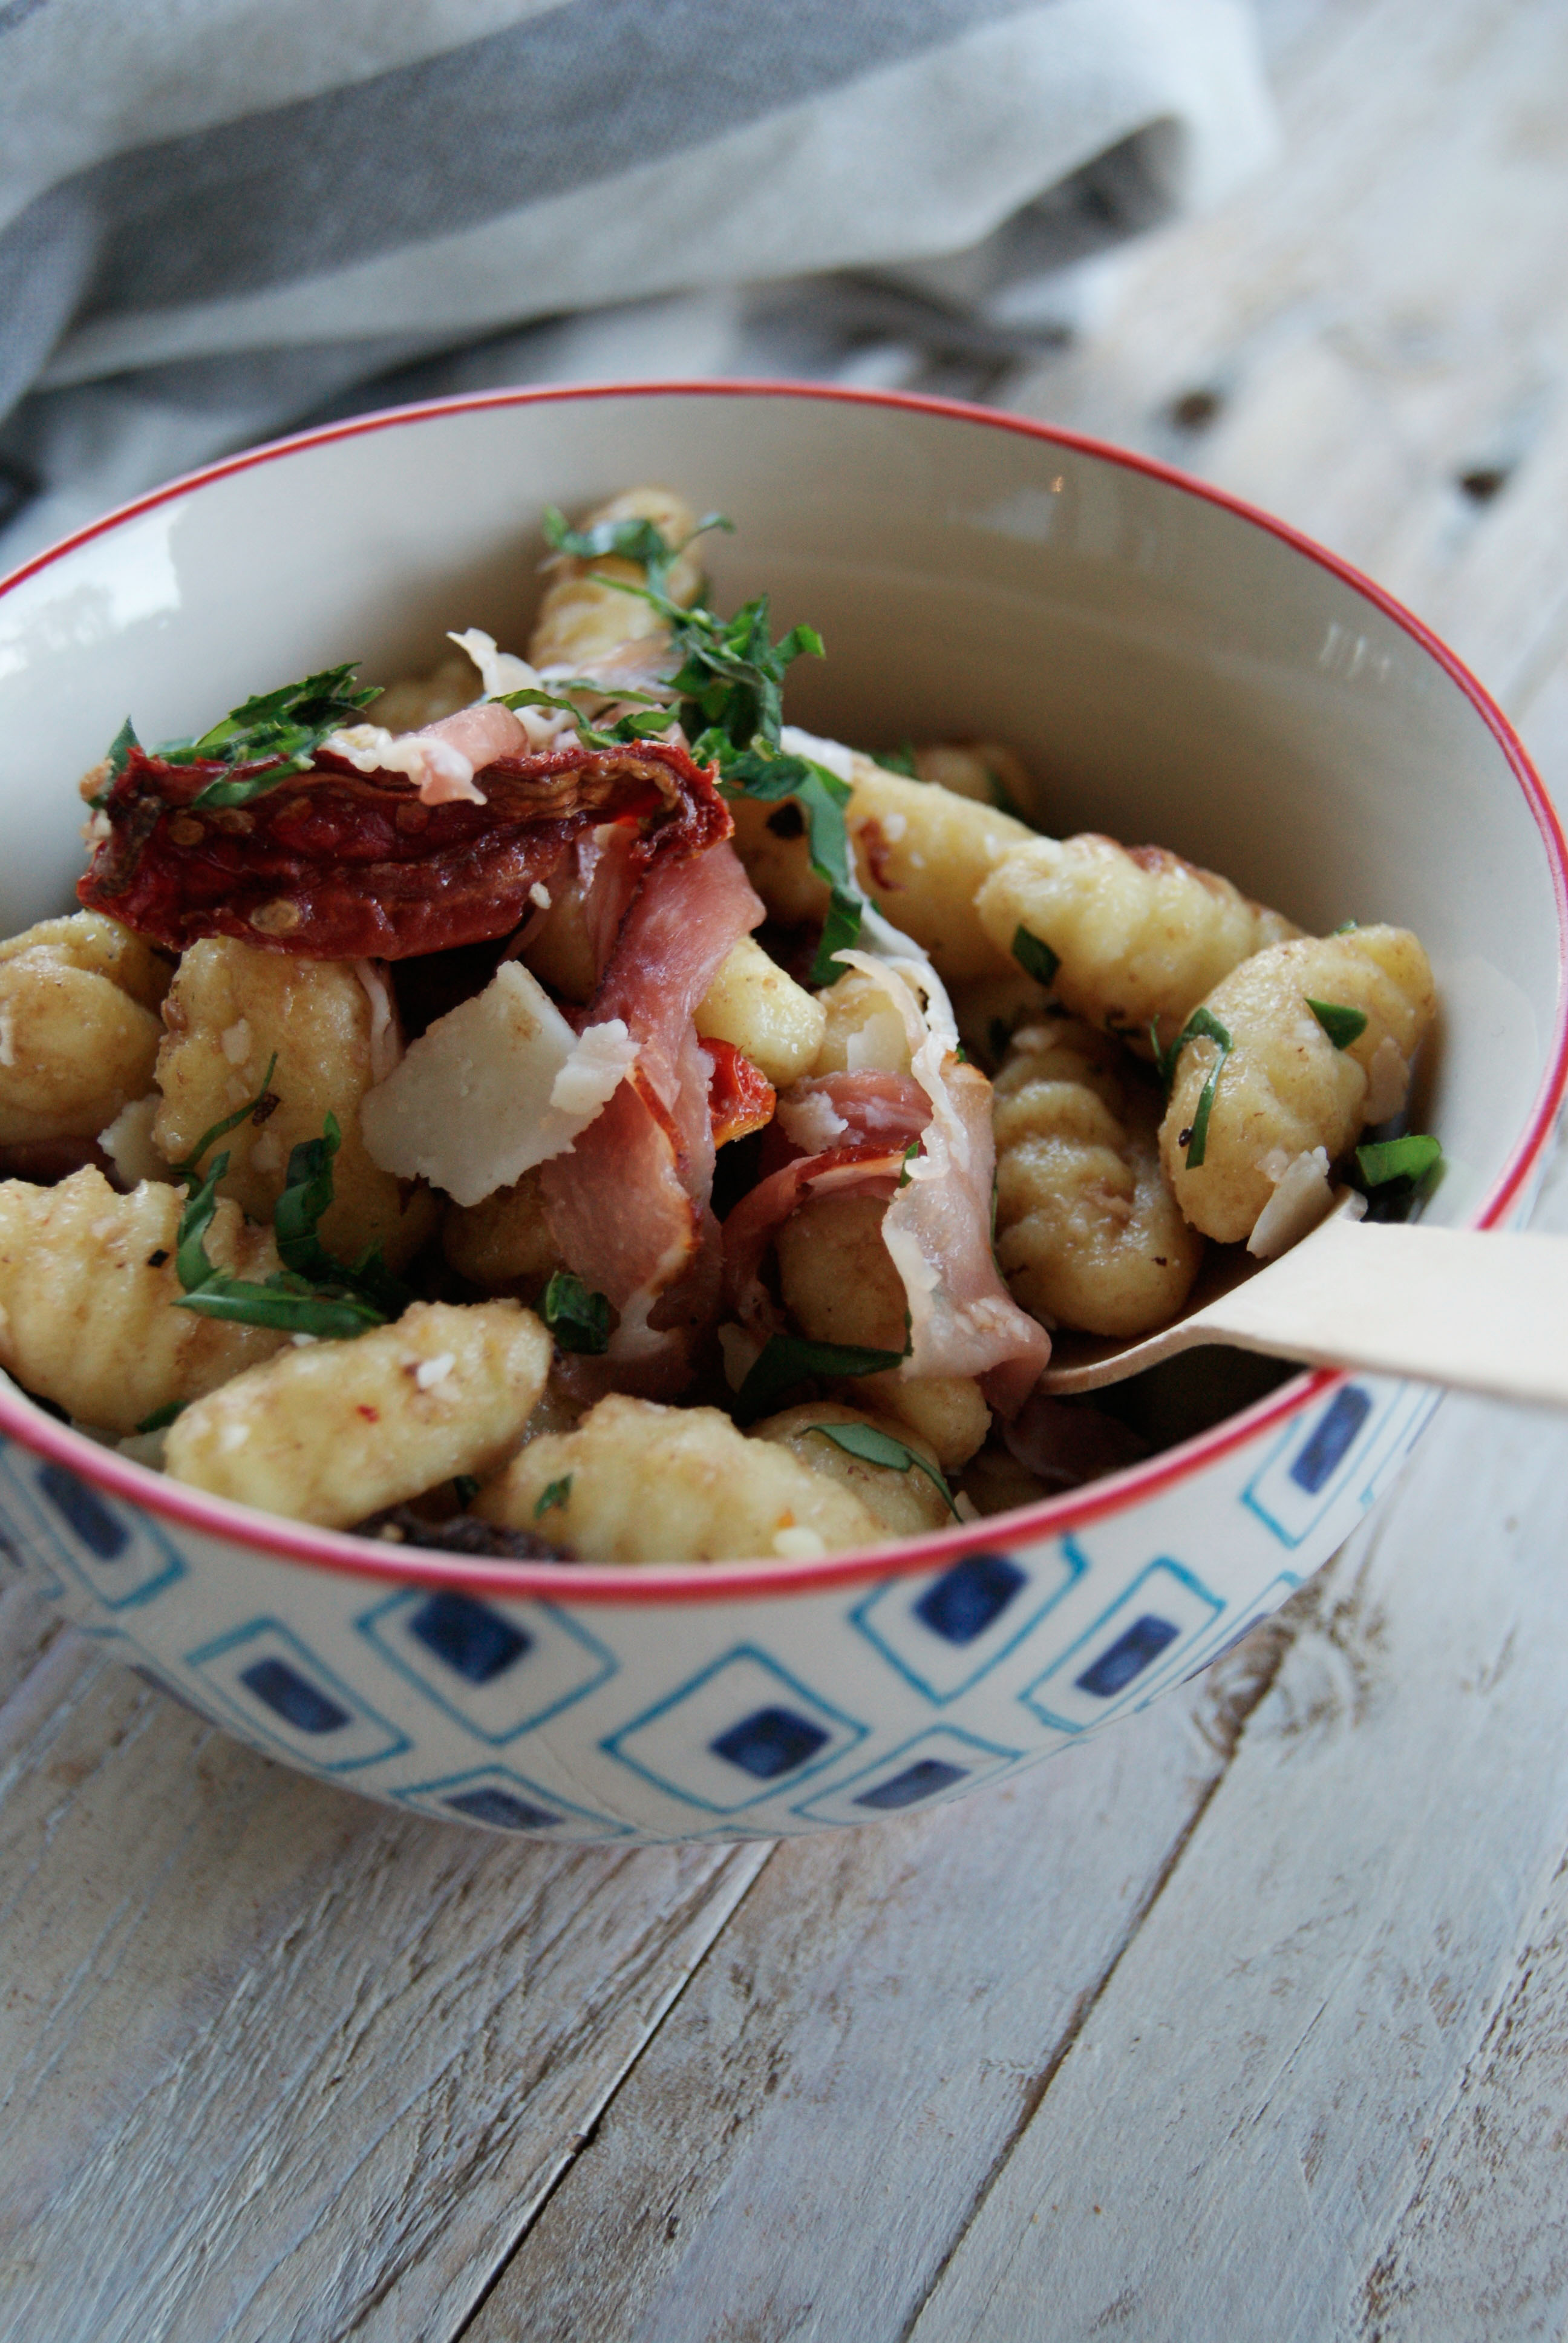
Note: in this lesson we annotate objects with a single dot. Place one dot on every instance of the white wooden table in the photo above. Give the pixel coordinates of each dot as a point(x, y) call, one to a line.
point(1250, 2019)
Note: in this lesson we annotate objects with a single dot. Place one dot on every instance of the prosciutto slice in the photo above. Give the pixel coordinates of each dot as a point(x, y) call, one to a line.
point(628, 1207)
point(877, 1115)
point(962, 1318)
point(340, 864)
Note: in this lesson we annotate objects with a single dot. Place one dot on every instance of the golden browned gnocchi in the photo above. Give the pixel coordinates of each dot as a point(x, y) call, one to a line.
point(907, 1502)
point(79, 1028)
point(775, 1022)
point(336, 1430)
point(229, 1011)
point(504, 1245)
point(583, 619)
point(635, 1481)
point(840, 1285)
point(1088, 1234)
point(921, 853)
point(1285, 1089)
point(87, 1283)
point(1127, 937)
point(421, 699)
point(862, 1031)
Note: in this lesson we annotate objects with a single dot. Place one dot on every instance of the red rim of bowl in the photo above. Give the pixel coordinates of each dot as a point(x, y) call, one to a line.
point(708, 1582)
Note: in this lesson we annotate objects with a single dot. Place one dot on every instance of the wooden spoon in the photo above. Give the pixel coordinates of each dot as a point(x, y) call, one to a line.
point(1480, 1309)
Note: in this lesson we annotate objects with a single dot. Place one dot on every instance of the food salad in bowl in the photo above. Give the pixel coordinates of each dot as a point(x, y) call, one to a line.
point(537, 1194)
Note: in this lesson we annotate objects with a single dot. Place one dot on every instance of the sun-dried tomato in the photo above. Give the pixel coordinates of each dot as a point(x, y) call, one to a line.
point(340, 865)
point(741, 1098)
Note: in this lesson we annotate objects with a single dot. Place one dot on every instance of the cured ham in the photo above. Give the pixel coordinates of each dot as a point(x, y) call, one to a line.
point(937, 1226)
point(336, 864)
point(628, 1207)
point(880, 1116)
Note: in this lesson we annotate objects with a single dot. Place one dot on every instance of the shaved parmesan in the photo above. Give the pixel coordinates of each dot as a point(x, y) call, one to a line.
point(1302, 1198)
point(500, 1084)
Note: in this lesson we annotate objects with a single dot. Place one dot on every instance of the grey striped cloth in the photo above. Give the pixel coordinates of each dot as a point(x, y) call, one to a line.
point(222, 218)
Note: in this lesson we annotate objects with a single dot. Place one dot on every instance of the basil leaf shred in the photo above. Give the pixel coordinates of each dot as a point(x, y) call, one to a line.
point(1410, 1158)
point(579, 1319)
point(1036, 959)
point(1342, 1025)
point(876, 1447)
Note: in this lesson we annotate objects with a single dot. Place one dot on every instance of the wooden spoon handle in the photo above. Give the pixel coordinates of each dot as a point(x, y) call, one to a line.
point(1482, 1310)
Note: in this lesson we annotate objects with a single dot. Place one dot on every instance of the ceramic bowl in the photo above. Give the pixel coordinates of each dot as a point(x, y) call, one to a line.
point(1174, 667)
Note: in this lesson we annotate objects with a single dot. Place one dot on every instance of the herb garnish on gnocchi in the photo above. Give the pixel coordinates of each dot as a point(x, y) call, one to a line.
point(525, 1110)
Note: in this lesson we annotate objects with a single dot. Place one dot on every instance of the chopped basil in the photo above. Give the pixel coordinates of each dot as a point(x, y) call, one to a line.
point(556, 1493)
point(875, 1447)
point(256, 1109)
point(1035, 958)
point(900, 760)
point(1346, 927)
point(312, 1293)
point(822, 797)
point(625, 728)
point(786, 1361)
point(281, 729)
point(579, 1320)
point(729, 702)
point(1410, 1158)
point(1343, 1026)
point(162, 1417)
point(1202, 1025)
point(465, 1488)
point(910, 1152)
point(640, 540)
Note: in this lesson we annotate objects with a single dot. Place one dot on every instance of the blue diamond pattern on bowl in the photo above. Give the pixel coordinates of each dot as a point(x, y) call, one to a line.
point(284, 1694)
point(943, 1633)
point(121, 1558)
point(500, 1799)
point(1134, 1650)
point(1311, 1464)
point(469, 1636)
point(294, 1698)
point(771, 1742)
point(939, 1762)
point(970, 1597)
point(1130, 1646)
point(499, 1668)
point(743, 1727)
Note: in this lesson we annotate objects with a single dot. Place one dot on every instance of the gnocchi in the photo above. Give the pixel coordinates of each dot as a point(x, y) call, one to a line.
point(743, 1178)
point(1089, 1235)
point(1132, 935)
point(1286, 1088)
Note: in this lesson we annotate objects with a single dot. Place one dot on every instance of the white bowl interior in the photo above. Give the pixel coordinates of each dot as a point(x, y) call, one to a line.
point(1173, 671)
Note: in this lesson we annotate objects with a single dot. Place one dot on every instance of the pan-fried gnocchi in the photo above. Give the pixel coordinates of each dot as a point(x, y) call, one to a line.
point(1286, 1088)
point(584, 618)
point(87, 1283)
point(1128, 937)
point(231, 1009)
point(381, 1348)
point(921, 853)
point(840, 1285)
point(775, 1022)
point(337, 1431)
point(636, 1481)
point(1088, 1234)
point(79, 1026)
point(907, 1501)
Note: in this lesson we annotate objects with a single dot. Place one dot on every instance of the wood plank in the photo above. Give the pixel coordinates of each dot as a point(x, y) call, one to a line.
point(1243, 2119)
point(287, 2063)
point(1376, 320)
point(1480, 2249)
point(854, 2058)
